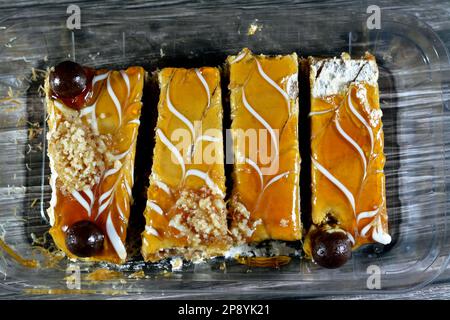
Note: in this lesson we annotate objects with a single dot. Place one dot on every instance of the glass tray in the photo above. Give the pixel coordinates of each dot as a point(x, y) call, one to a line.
point(411, 58)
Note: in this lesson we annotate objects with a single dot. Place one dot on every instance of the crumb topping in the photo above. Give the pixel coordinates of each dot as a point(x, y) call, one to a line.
point(201, 216)
point(78, 154)
point(243, 228)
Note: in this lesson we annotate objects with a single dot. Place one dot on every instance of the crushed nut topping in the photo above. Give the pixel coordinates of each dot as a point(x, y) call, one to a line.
point(201, 216)
point(244, 229)
point(79, 155)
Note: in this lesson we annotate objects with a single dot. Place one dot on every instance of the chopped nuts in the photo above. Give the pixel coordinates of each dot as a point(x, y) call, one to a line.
point(78, 154)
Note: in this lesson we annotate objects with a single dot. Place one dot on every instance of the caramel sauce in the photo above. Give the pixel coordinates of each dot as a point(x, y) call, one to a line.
point(342, 160)
point(264, 262)
point(29, 263)
point(277, 207)
point(103, 275)
point(189, 97)
point(68, 209)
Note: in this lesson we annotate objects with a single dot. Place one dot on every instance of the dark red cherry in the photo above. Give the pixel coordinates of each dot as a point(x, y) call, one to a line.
point(331, 249)
point(68, 79)
point(84, 239)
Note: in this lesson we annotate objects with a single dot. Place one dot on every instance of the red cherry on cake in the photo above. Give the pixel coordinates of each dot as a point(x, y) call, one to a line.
point(68, 79)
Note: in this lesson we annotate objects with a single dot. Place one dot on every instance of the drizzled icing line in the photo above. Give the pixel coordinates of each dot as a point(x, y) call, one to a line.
point(273, 84)
point(172, 149)
point(205, 177)
point(361, 119)
point(155, 207)
point(134, 121)
point(366, 214)
point(262, 121)
point(354, 144)
point(205, 85)
point(152, 231)
point(113, 236)
point(336, 182)
point(121, 214)
point(160, 184)
point(110, 172)
point(114, 99)
point(378, 233)
point(82, 201)
point(317, 113)
point(127, 81)
point(239, 57)
point(276, 178)
point(99, 77)
point(178, 114)
point(257, 169)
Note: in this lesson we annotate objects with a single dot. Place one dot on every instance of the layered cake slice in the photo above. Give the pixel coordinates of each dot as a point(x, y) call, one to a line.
point(186, 213)
point(348, 181)
point(265, 202)
point(93, 120)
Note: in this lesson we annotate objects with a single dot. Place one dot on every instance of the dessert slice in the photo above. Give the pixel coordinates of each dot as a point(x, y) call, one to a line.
point(348, 182)
point(93, 119)
point(185, 213)
point(265, 201)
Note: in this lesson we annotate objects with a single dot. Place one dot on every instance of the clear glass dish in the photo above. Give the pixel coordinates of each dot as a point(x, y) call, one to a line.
point(410, 57)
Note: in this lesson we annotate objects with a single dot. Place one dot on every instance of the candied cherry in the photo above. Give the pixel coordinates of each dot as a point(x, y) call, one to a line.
point(68, 79)
point(84, 239)
point(331, 249)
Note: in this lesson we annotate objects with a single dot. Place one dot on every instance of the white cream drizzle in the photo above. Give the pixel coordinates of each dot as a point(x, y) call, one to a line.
point(362, 120)
point(94, 123)
point(127, 81)
point(113, 236)
point(366, 214)
point(121, 214)
point(336, 182)
point(354, 144)
point(99, 77)
point(239, 57)
point(273, 84)
point(205, 85)
point(172, 149)
point(350, 237)
point(86, 110)
point(205, 177)
point(106, 194)
point(134, 121)
point(127, 186)
point(257, 169)
point(155, 207)
point(122, 155)
point(178, 114)
point(160, 184)
point(114, 99)
point(152, 231)
point(207, 138)
point(110, 172)
point(378, 233)
point(82, 201)
point(262, 121)
point(103, 207)
point(276, 178)
point(90, 195)
point(317, 113)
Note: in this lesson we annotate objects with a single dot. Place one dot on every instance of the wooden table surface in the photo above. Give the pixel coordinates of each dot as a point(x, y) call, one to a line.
point(435, 13)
